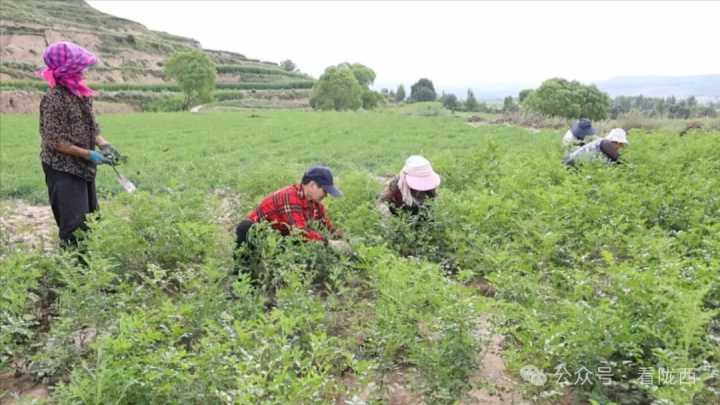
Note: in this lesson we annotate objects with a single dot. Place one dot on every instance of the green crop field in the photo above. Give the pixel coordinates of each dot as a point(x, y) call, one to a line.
point(606, 278)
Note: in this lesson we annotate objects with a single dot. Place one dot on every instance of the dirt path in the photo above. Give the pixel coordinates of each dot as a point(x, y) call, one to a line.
point(20, 390)
point(26, 225)
point(495, 386)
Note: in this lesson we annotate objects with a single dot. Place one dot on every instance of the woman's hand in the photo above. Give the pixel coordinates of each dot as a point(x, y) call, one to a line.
point(98, 158)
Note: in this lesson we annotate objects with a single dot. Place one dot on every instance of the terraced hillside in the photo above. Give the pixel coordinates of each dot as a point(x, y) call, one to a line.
point(131, 57)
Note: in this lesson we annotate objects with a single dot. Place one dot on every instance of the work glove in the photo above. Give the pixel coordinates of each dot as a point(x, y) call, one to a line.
point(110, 153)
point(98, 158)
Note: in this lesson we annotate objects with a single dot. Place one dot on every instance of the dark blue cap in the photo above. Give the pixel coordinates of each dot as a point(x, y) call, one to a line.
point(582, 128)
point(324, 178)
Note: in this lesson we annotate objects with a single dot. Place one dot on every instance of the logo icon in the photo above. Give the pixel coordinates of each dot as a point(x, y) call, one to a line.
point(533, 375)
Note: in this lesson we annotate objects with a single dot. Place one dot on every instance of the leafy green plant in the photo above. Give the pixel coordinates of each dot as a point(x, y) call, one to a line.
point(423, 321)
point(170, 232)
point(21, 278)
point(600, 267)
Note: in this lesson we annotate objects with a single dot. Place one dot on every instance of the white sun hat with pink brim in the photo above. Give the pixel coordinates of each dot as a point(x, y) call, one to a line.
point(617, 135)
point(419, 174)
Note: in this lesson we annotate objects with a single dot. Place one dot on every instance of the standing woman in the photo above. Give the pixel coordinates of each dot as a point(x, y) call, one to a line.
point(69, 135)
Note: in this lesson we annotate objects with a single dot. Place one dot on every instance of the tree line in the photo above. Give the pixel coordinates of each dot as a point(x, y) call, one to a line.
point(346, 86)
point(662, 107)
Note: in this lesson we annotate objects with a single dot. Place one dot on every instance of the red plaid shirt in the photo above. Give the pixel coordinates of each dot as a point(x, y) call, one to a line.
point(287, 208)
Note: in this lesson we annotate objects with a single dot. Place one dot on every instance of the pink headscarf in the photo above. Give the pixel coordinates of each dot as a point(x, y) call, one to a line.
point(66, 63)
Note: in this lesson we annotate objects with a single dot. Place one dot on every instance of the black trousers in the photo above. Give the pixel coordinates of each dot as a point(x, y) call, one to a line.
point(241, 232)
point(242, 260)
point(71, 199)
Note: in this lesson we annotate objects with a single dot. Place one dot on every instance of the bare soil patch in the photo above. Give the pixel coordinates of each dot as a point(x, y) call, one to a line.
point(495, 385)
point(26, 225)
point(28, 102)
point(20, 389)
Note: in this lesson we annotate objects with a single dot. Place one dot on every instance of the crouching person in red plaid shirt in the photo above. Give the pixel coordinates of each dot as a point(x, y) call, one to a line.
point(297, 206)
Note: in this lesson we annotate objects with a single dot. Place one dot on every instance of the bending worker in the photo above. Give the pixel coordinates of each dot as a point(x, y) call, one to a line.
point(579, 134)
point(297, 206)
point(416, 183)
point(606, 150)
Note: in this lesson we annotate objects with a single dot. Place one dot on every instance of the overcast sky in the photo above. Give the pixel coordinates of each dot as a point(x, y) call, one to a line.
point(456, 44)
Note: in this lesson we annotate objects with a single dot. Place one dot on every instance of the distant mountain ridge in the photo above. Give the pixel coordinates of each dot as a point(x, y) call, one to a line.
point(701, 86)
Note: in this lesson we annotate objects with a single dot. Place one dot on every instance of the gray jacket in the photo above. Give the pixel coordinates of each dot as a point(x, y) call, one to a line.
point(599, 150)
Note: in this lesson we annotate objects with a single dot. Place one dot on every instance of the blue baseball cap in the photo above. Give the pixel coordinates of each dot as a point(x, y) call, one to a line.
point(324, 178)
point(582, 128)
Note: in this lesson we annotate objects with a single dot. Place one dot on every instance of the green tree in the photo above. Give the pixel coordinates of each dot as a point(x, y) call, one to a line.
point(660, 107)
point(471, 103)
point(450, 102)
point(509, 105)
point(345, 87)
point(570, 99)
point(288, 65)
point(705, 111)
point(679, 109)
point(523, 95)
point(194, 73)
point(371, 99)
point(423, 90)
point(337, 89)
point(400, 94)
point(364, 75)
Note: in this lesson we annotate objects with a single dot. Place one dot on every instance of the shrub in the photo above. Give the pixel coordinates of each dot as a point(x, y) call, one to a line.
point(451, 102)
point(165, 104)
point(569, 99)
point(279, 71)
point(423, 90)
point(509, 105)
point(524, 94)
point(364, 75)
point(345, 87)
point(169, 231)
point(269, 259)
point(400, 94)
point(195, 74)
point(26, 303)
point(288, 65)
point(423, 320)
point(371, 99)
point(471, 103)
point(337, 89)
